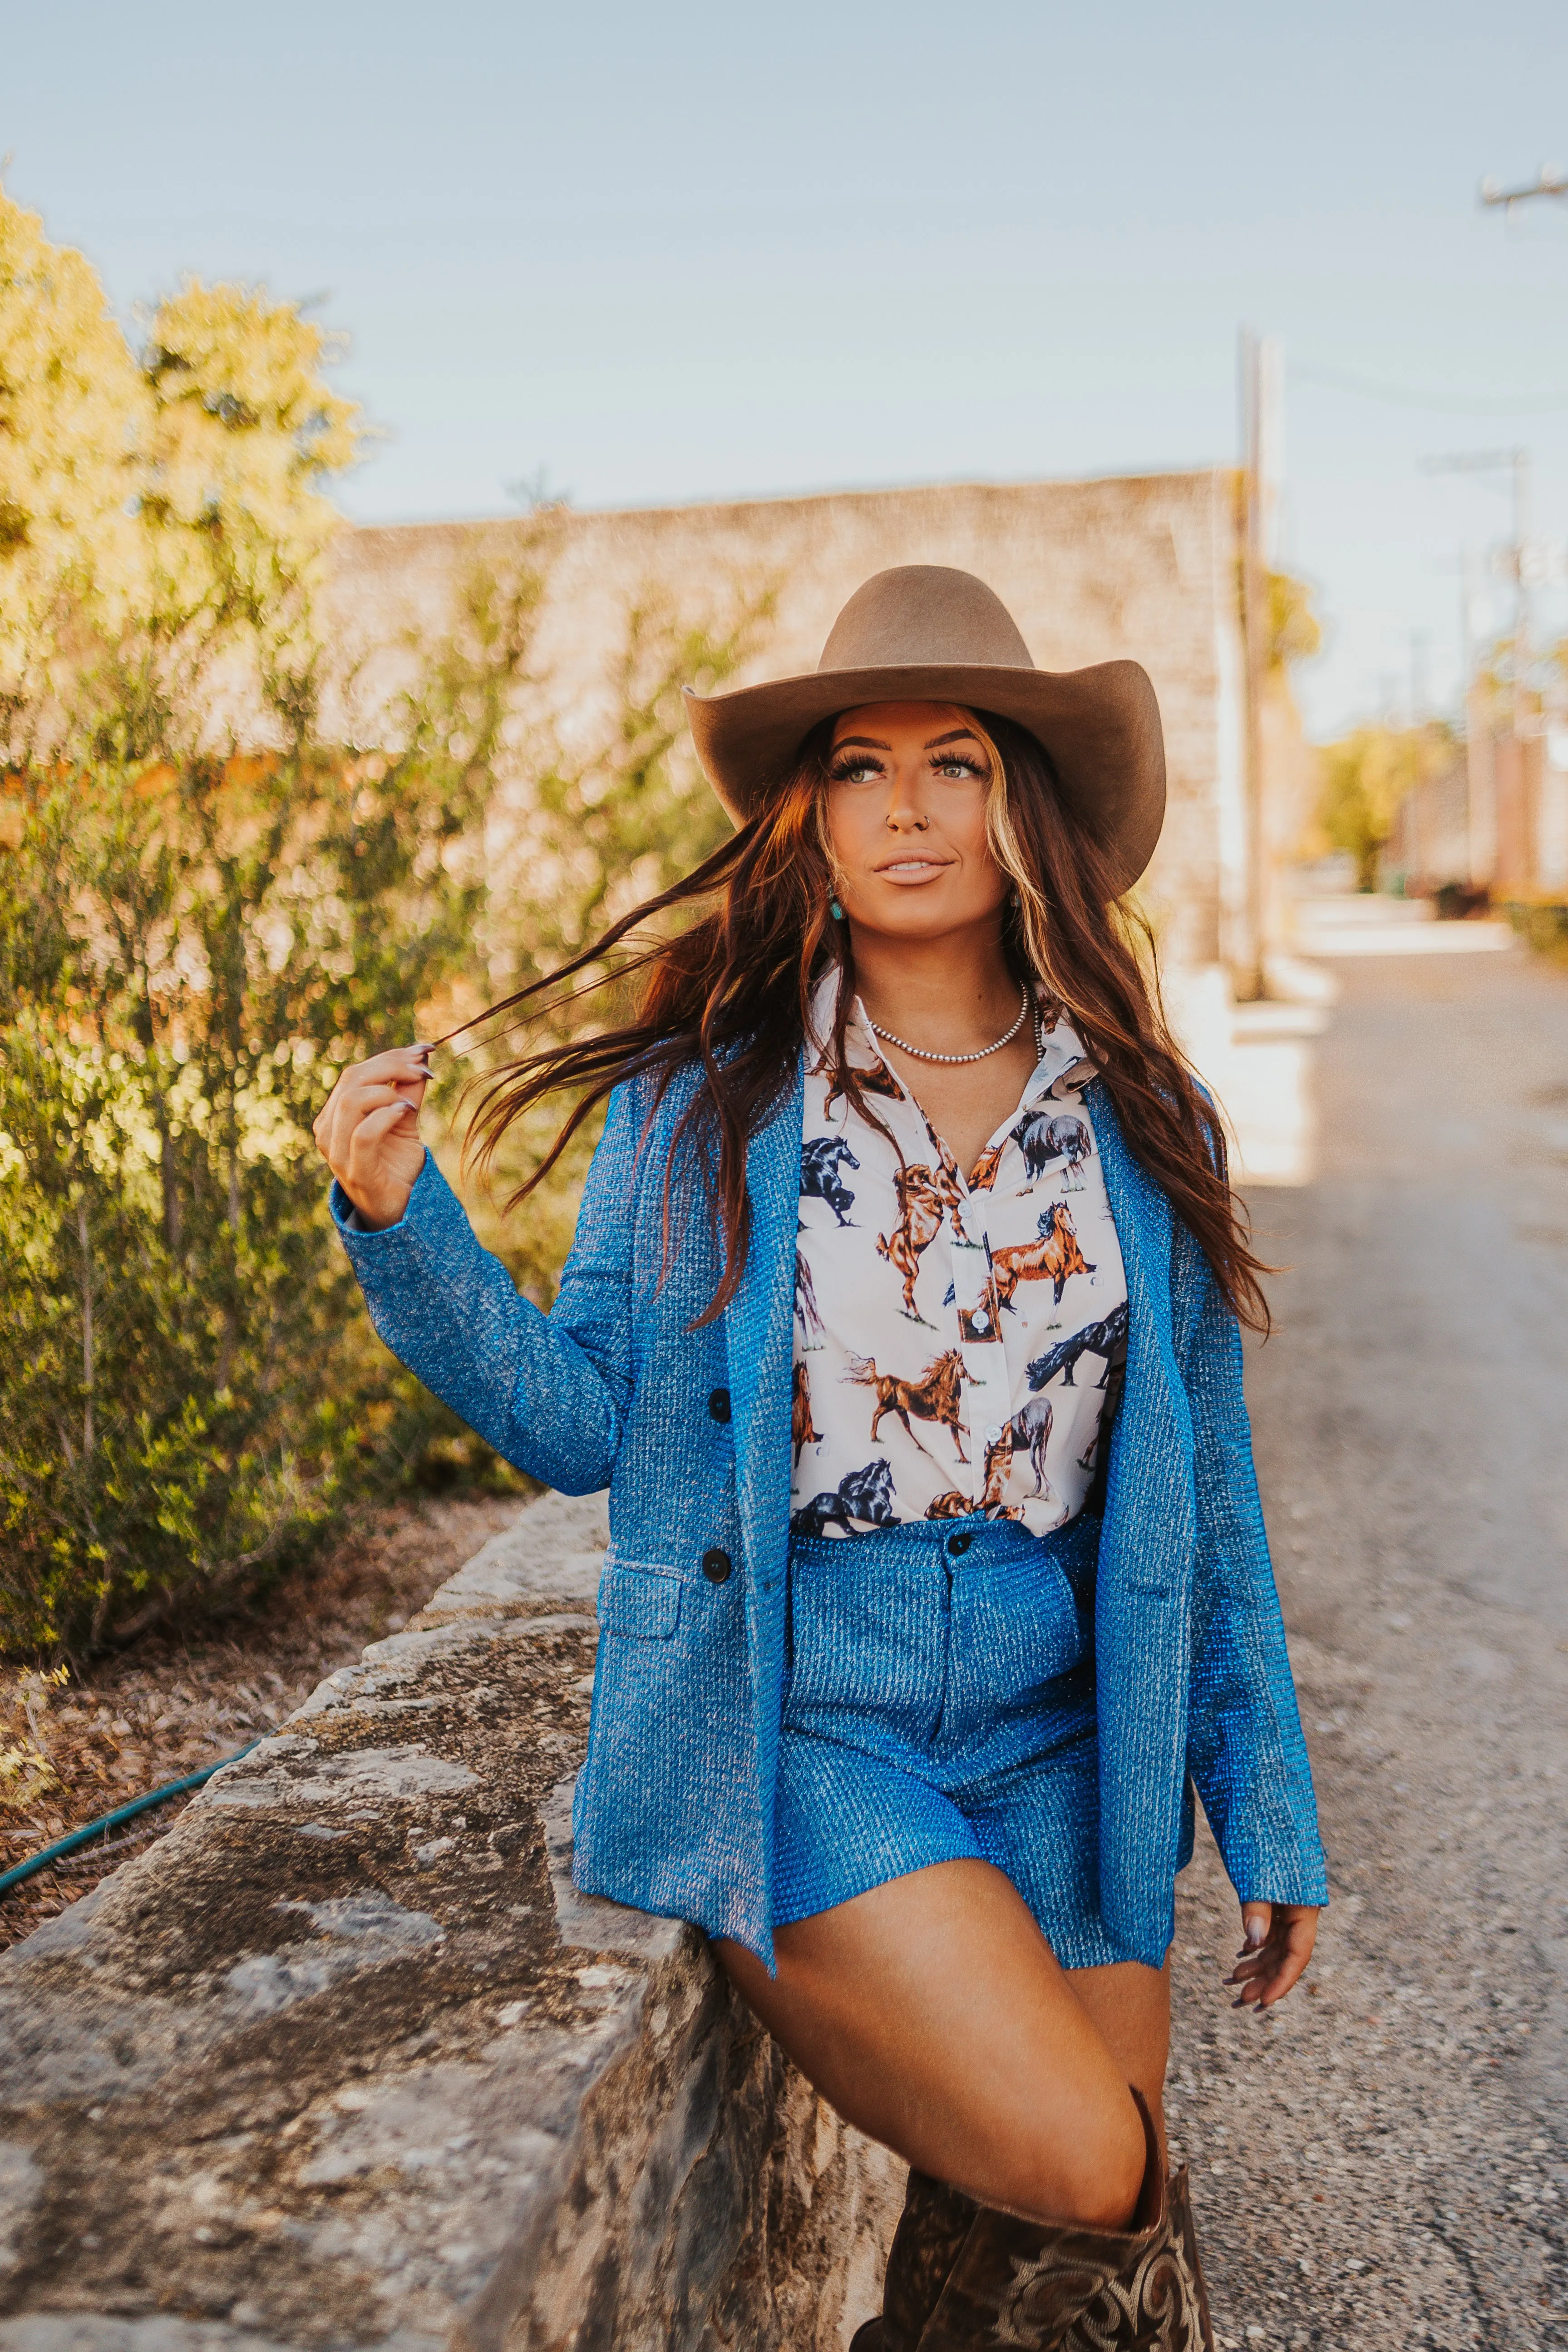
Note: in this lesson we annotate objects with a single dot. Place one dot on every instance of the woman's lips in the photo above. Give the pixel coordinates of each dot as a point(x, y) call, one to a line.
point(915, 868)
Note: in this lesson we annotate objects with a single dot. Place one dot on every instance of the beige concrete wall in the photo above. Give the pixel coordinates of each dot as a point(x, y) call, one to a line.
point(1091, 570)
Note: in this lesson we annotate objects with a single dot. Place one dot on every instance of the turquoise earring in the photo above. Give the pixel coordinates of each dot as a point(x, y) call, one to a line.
point(836, 910)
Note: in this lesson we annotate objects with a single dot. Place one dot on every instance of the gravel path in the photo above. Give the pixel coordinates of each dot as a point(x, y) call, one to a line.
point(1385, 2163)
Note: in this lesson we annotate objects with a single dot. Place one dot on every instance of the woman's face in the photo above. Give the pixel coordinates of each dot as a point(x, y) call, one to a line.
point(907, 788)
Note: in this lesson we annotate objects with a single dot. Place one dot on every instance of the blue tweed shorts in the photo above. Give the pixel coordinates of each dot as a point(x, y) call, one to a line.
point(938, 1706)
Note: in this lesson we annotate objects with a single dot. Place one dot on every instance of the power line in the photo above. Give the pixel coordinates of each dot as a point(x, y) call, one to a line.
point(1400, 397)
point(1553, 182)
point(1515, 462)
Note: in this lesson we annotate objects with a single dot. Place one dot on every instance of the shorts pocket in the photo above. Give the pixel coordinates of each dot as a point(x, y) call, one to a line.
point(1022, 1630)
point(643, 1603)
point(1051, 1624)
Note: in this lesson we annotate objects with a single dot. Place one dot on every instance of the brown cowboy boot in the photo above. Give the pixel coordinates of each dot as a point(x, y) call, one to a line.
point(1043, 2286)
point(929, 2237)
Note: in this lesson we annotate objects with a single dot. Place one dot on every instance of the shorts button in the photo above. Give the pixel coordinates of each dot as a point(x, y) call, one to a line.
point(718, 1404)
point(958, 1545)
point(716, 1565)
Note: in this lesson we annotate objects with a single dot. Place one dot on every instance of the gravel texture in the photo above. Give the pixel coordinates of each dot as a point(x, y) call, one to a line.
point(1384, 2163)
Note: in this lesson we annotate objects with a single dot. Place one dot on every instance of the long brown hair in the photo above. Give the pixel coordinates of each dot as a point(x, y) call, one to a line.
point(729, 996)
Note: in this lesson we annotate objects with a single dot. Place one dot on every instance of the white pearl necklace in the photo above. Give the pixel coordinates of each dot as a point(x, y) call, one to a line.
point(923, 1055)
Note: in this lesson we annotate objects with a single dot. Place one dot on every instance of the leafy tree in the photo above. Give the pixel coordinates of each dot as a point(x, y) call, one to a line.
point(1294, 633)
point(1364, 777)
point(159, 499)
point(73, 405)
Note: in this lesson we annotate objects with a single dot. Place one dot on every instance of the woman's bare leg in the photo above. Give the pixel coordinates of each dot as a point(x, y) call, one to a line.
point(933, 2015)
point(1130, 2006)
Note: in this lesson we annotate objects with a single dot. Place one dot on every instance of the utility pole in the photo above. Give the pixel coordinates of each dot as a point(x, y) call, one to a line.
point(1550, 181)
point(1419, 641)
point(1259, 387)
point(1480, 780)
point(1480, 777)
point(1553, 182)
point(1520, 566)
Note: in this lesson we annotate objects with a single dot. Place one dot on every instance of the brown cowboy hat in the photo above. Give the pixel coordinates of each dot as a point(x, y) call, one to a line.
point(924, 633)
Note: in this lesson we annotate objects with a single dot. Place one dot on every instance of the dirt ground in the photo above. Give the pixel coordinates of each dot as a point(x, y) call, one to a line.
point(166, 1706)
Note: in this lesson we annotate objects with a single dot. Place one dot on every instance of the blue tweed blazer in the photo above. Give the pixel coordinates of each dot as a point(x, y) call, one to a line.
point(690, 1431)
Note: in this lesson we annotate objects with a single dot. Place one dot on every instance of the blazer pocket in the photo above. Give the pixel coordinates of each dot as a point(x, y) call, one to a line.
point(640, 1601)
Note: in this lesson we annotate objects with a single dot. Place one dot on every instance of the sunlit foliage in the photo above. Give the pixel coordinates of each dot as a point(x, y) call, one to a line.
point(1365, 776)
point(215, 890)
point(166, 485)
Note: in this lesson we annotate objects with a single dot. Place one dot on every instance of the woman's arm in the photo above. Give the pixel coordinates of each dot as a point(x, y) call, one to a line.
point(548, 1393)
point(1245, 1748)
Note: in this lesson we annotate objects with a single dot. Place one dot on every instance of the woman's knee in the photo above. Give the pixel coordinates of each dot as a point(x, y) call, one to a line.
point(1089, 2173)
point(1112, 2181)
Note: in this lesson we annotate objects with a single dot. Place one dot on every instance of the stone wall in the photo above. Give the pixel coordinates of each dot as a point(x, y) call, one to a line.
point(343, 2060)
point(1092, 570)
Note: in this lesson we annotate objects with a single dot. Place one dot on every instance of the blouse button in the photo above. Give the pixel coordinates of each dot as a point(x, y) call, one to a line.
point(981, 1320)
point(994, 1433)
point(716, 1565)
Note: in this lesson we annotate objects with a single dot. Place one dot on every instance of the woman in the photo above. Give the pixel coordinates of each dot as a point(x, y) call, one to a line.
point(901, 1323)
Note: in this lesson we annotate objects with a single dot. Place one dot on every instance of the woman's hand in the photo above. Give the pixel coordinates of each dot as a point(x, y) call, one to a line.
point(368, 1132)
point(1278, 1939)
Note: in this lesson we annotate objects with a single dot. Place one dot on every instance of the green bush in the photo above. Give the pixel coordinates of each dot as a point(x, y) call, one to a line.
point(192, 943)
point(211, 900)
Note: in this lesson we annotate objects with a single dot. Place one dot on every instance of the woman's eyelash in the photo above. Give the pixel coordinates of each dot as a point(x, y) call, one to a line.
point(860, 763)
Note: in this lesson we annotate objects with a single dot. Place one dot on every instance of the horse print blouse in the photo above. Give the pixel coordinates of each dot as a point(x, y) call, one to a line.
point(954, 1337)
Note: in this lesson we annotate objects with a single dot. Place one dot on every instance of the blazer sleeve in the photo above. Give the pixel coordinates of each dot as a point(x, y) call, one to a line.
point(550, 1392)
point(1245, 1748)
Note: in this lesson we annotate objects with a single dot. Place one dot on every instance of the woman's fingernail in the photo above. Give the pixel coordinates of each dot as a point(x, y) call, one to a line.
point(1257, 1934)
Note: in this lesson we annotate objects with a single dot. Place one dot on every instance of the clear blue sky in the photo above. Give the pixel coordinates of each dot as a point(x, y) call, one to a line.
point(691, 252)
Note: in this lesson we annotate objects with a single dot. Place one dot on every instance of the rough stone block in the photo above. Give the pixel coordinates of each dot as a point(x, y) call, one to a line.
point(345, 2060)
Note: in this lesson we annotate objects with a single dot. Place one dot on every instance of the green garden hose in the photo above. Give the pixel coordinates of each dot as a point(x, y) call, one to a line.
point(112, 1820)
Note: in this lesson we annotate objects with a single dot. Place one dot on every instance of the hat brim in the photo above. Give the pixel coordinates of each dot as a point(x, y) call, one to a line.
point(1100, 727)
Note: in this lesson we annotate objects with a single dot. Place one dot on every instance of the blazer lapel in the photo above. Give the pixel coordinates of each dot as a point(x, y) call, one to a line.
point(758, 1334)
point(1145, 1582)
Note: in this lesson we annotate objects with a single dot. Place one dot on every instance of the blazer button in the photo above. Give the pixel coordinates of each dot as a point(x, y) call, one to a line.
point(716, 1565)
point(958, 1545)
point(718, 1404)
